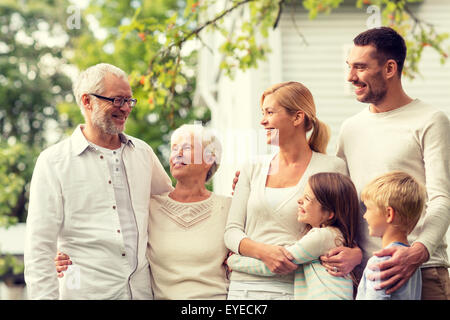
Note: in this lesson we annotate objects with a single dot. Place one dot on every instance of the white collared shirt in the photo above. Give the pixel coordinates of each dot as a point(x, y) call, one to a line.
point(124, 206)
point(73, 208)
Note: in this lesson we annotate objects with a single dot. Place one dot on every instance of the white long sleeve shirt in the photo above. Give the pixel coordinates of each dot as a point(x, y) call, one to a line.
point(73, 208)
point(416, 139)
point(124, 206)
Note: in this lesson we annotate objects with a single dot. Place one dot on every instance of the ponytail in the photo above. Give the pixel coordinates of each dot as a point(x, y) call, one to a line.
point(320, 136)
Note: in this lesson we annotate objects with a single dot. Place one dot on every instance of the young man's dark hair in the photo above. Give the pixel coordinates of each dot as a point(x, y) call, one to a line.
point(389, 45)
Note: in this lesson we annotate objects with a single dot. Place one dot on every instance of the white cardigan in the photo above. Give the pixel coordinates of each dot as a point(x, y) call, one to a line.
point(252, 217)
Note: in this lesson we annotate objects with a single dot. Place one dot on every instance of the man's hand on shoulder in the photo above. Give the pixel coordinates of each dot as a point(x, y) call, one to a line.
point(397, 270)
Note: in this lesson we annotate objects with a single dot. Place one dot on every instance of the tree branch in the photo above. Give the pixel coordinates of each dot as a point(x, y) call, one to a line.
point(297, 28)
point(280, 10)
point(197, 30)
point(416, 20)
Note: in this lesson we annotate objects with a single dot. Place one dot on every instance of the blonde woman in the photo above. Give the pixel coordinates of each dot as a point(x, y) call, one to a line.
point(263, 212)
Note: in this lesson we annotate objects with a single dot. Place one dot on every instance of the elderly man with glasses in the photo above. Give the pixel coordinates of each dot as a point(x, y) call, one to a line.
point(89, 197)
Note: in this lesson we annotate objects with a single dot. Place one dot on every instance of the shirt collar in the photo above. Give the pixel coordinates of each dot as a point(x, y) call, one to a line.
point(126, 140)
point(80, 143)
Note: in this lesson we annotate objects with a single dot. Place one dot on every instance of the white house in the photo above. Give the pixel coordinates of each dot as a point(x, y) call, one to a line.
point(320, 65)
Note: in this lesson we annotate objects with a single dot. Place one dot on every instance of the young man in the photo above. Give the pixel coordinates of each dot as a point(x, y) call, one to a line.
point(396, 132)
point(89, 198)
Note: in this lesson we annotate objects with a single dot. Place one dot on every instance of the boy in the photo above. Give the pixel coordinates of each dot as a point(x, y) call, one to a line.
point(394, 203)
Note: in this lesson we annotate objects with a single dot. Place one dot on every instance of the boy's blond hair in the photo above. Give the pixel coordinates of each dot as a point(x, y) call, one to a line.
point(399, 191)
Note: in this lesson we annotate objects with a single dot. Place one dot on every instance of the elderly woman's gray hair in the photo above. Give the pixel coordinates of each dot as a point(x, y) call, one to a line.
point(91, 80)
point(212, 148)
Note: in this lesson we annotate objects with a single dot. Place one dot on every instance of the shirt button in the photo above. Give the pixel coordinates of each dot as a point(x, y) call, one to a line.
point(118, 231)
point(114, 207)
point(109, 181)
point(123, 254)
point(101, 157)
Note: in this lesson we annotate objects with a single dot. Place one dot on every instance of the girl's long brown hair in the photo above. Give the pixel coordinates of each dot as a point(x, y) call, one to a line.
point(336, 193)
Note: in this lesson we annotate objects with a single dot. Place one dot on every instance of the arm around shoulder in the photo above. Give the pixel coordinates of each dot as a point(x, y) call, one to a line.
point(237, 215)
point(341, 166)
point(160, 182)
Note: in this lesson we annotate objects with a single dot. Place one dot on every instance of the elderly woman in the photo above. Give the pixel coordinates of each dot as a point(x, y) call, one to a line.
point(186, 248)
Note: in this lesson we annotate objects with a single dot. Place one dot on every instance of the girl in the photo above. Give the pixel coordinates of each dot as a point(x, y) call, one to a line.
point(329, 207)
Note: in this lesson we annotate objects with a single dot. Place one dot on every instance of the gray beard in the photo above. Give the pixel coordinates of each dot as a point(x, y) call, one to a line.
point(103, 123)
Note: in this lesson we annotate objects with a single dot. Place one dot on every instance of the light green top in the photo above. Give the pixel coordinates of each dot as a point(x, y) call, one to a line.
point(312, 281)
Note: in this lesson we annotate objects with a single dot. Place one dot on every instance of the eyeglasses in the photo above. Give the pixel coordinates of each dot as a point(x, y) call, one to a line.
point(117, 101)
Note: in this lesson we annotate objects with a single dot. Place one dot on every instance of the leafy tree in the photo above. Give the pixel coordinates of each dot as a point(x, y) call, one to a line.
point(16, 166)
point(33, 37)
point(151, 120)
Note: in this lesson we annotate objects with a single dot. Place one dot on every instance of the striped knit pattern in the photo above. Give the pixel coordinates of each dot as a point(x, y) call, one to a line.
point(312, 281)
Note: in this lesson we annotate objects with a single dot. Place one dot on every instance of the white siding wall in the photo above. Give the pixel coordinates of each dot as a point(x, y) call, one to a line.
point(237, 122)
point(234, 103)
